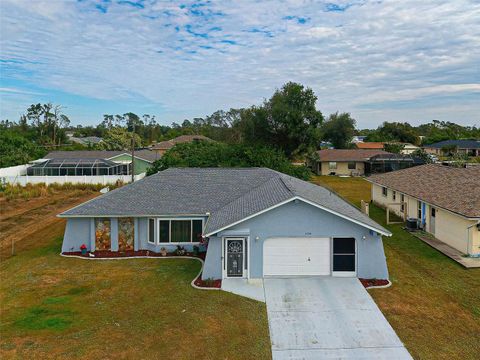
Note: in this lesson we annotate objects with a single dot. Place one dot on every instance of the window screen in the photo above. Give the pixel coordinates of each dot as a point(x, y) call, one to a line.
point(343, 254)
point(181, 230)
point(164, 231)
point(151, 231)
point(197, 230)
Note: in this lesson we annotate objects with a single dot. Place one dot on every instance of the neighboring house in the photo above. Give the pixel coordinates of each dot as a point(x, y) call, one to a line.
point(383, 163)
point(409, 148)
point(257, 222)
point(370, 145)
point(469, 147)
point(343, 161)
point(445, 200)
point(87, 140)
point(163, 146)
point(92, 163)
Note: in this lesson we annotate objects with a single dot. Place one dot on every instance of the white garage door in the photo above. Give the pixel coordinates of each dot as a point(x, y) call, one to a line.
point(296, 256)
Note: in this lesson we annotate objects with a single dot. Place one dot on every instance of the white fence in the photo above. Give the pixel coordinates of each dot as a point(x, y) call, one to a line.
point(85, 179)
point(14, 170)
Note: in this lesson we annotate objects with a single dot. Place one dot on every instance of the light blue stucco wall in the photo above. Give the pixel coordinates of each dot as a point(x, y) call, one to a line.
point(298, 219)
point(77, 232)
point(80, 231)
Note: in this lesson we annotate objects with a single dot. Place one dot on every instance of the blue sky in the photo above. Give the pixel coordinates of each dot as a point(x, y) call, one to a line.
point(379, 60)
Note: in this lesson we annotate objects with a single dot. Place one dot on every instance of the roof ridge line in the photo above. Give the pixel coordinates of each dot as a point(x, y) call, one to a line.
point(253, 189)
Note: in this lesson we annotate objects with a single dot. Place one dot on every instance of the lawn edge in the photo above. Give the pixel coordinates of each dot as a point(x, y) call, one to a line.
point(192, 283)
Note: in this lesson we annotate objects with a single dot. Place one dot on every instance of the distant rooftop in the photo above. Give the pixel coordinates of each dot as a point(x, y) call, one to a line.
point(461, 144)
point(165, 145)
point(348, 154)
point(144, 154)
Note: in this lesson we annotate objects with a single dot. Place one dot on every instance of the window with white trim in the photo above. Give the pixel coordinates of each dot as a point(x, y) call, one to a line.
point(332, 165)
point(179, 230)
point(394, 195)
point(402, 203)
point(151, 231)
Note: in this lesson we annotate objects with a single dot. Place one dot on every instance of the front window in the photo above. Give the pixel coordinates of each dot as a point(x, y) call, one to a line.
point(151, 231)
point(351, 166)
point(394, 195)
point(384, 191)
point(332, 165)
point(419, 209)
point(176, 231)
point(402, 205)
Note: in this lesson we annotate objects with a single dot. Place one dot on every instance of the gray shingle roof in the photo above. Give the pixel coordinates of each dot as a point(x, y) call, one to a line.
point(227, 194)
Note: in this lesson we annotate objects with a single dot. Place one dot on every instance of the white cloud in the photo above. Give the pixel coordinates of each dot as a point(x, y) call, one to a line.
point(229, 54)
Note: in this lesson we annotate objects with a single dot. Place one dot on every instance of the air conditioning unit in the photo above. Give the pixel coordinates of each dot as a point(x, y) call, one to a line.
point(412, 224)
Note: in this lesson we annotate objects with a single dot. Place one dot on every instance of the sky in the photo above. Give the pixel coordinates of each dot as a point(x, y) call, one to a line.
point(405, 60)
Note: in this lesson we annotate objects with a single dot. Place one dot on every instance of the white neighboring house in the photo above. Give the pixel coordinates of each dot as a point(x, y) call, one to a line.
point(444, 200)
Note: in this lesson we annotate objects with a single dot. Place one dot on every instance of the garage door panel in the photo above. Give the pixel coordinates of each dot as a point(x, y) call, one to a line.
point(296, 256)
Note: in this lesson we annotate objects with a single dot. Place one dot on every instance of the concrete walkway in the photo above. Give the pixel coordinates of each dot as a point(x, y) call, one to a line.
point(452, 253)
point(252, 289)
point(327, 318)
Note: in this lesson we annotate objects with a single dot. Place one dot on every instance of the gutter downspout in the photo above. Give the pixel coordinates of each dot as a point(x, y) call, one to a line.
point(469, 242)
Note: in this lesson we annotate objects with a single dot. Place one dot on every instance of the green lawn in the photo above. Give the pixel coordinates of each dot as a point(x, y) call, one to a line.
point(434, 303)
point(55, 307)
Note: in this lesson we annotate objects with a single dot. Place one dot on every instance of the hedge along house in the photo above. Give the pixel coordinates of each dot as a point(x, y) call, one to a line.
point(444, 200)
point(258, 222)
point(92, 163)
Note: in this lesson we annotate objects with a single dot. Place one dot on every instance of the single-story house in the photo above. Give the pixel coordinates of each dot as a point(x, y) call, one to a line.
point(343, 161)
point(469, 147)
point(370, 145)
point(444, 200)
point(257, 222)
point(163, 146)
point(92, 163)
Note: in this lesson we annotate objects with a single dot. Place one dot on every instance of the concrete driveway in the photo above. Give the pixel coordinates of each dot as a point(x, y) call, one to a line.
point(327, 318)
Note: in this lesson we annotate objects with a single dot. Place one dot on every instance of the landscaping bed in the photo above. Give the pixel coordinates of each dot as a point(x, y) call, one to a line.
point(367, 283)
point(106, 254)
point(209, 283)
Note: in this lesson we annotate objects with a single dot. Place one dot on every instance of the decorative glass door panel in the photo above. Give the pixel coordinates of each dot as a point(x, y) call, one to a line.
point(234, 254)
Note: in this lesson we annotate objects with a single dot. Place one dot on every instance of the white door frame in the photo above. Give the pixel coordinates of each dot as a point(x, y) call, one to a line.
point(245, 261)
point(345, 273)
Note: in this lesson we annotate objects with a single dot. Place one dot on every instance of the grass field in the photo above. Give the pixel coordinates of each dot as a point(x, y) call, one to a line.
point(434, 303)
point(56, 307)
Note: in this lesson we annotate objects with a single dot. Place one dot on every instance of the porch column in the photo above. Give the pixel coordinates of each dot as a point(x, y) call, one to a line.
point(92, 234)
point(136, 238)
point(114, 234)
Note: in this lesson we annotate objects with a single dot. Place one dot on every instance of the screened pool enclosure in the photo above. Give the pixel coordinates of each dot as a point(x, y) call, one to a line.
point(78, 167)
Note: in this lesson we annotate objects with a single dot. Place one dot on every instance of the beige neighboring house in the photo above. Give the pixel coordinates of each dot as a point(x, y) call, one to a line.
point(349, 162)
point(445, 201)
point(409, 148)
point(161, 147)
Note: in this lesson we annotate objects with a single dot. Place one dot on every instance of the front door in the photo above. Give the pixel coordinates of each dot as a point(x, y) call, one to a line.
point(344, 257)
point(234, 251)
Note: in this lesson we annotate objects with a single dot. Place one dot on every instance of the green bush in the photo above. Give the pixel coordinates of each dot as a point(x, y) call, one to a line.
point(215, 154)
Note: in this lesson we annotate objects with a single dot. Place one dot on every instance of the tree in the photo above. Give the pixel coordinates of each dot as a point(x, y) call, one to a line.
point(394, 131)
point(118, 138)
point(16, 149)
point(395, 148)
point(422, 154)
point(339, 130)
point(288, 121)
point(216, 154)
